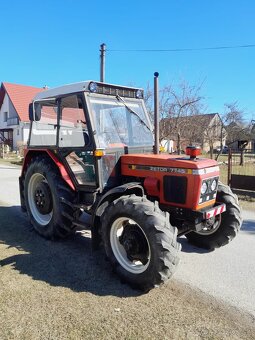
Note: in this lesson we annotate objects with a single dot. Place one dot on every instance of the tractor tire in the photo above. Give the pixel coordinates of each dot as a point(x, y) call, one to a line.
point(139, 242)
point(43, 190)
point(226, 226)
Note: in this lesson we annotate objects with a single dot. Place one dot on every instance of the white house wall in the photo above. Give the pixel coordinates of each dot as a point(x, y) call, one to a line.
point(26, 127)
point(4, 108)
point(7, 106)
point(12, 111)
point(168, 145)
point(16, 137)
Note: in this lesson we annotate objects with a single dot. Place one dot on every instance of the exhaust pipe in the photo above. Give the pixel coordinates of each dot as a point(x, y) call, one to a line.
point(102, 62)
point(156, 114)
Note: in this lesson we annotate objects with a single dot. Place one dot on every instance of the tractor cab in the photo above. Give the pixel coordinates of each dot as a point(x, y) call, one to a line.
point(90, 125)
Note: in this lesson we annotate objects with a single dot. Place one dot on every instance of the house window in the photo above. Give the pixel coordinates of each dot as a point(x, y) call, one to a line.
point(5, 116)
point(17, 132)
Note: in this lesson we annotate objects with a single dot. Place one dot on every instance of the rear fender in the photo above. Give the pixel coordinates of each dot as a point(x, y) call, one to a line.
point(30, 154)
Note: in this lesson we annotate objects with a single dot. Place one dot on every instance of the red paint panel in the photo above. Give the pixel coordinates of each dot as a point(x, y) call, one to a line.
point(31, 153)
point(151, 185)
point(135, 166)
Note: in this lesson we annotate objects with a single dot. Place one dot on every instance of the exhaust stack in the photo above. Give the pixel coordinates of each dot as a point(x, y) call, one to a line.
point(156, 114)
point(102, 62)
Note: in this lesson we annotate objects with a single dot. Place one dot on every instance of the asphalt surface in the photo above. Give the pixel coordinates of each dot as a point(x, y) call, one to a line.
point(227, 273)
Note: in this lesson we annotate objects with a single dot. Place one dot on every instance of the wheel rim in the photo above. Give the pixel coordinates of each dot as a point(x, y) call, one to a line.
point(40, 199)
point(130, 245)
point(212, 225)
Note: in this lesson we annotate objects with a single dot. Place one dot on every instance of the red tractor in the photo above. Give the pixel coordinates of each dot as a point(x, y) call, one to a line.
point(90, 149)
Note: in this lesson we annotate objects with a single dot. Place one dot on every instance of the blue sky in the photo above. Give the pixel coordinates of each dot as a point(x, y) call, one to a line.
point(57, 42)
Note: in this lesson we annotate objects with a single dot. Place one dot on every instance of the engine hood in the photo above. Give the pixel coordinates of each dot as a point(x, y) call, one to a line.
point(167, 161)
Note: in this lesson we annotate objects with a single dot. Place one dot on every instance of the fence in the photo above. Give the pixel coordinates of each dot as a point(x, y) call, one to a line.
point(241, 176)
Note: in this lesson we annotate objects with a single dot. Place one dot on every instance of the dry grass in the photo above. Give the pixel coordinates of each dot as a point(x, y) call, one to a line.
point(10, 161)
point(64, 291)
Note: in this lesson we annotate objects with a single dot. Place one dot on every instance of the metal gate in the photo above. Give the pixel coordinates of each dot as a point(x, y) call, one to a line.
point(241, 176)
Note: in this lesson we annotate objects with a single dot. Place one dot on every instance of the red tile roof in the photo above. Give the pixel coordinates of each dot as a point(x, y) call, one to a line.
point(20, 96)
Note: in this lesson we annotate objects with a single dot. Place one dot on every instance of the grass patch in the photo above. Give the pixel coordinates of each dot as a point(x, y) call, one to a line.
point(14, 161)
point(246, 198)
point(247, 170)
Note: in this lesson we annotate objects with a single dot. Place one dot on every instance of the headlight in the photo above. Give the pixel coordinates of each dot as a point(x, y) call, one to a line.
point(92, 87)
point(139, 94)
point(203, 188)
point(213, 185)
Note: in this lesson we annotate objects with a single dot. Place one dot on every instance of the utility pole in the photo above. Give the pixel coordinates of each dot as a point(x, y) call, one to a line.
point(156, 114)
point(102, 62)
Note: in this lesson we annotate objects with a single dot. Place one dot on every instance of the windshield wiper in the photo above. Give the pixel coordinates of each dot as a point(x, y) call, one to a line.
point(119, 98)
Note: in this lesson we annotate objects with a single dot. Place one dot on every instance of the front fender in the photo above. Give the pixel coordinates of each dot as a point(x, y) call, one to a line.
point(125, 189)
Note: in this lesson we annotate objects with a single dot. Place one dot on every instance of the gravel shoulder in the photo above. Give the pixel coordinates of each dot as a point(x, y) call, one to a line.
point(62, 290)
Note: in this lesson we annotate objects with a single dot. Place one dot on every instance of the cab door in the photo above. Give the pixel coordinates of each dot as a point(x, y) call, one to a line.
point(75, 143)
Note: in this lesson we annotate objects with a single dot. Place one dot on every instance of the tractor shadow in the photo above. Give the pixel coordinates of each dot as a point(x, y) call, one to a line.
point(189, 248)
point(67, 263)
point(248, 226)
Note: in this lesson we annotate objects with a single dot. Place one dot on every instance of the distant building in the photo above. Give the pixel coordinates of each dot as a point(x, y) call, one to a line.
point(14, 119)
point(241, 137)
point(205, 130)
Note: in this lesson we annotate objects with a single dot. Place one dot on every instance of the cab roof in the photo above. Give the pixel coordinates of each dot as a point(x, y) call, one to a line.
point(73, 88)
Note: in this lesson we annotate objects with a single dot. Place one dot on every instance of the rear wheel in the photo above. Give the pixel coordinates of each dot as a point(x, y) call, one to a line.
point(44, 190)
point(139, 241)
point(221, 229)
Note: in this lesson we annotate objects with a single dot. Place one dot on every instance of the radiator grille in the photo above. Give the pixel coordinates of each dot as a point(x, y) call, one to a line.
point(175, 189)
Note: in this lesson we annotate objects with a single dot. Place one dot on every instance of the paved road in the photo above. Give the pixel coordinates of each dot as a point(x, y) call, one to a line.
point(227, 273)
point(9, 184)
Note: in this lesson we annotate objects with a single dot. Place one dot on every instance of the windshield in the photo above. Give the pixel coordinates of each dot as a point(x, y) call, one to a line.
point(120, 122)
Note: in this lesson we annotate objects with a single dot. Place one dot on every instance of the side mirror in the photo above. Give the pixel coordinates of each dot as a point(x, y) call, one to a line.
point(38, 113)
point(31, 112)
point(35, 111)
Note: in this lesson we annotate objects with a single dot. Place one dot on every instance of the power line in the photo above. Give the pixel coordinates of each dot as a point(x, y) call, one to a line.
point(183, 49)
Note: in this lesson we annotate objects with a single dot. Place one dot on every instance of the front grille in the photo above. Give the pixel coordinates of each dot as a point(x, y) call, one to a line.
point(175, 189)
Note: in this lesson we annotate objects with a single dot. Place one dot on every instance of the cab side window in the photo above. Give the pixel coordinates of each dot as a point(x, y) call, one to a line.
point(73, 131)
point(44, 131)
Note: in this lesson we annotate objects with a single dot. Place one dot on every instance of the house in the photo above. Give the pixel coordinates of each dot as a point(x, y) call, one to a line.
point(205, 130)
point(14, 119)
point(241, 137)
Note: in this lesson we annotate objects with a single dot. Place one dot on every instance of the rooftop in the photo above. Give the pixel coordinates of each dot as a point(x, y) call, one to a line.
point(20, 96)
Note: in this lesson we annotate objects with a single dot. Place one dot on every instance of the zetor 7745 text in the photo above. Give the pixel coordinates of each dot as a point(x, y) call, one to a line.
point(90, 149)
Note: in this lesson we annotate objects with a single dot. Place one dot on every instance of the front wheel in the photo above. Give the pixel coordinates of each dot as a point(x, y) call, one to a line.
point(139, 241)
point(221, 229)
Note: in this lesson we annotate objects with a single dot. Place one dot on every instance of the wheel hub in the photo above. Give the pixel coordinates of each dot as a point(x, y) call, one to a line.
point(43, 198)
point(134, 243)
point(210, 226)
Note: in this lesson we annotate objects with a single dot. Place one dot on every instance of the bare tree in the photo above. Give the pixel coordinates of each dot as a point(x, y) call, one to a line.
point(176, 104)
point(237, 131)
point(233, 114)
point(213, 132)
point(148, 99)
